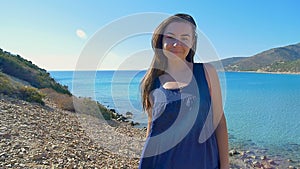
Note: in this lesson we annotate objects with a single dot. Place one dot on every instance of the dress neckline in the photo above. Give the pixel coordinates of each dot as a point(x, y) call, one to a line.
point(179, 88)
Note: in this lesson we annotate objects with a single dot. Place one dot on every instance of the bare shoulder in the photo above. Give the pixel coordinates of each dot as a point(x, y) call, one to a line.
point(209, 68)
point(210, 71)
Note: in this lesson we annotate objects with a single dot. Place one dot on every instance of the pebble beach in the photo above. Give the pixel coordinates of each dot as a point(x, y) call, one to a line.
point(35, 136)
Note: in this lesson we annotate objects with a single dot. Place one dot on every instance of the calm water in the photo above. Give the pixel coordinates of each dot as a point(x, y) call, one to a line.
point(262, 110)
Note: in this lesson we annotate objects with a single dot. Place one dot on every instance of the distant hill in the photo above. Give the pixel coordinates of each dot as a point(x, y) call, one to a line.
point(228, 61)
point(281, 59)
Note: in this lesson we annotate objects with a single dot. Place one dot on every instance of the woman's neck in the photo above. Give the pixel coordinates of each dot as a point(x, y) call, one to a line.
point(178, 66)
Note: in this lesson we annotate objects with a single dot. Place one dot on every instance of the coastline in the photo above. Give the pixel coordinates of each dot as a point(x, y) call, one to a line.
point(289, 73)
point(46, 136)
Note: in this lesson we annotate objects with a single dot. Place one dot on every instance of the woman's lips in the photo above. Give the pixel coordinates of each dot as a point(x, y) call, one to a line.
point(176, 51)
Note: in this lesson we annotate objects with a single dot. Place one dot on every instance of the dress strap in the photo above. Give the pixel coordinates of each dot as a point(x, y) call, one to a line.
point(201, 79)
point(156, 83)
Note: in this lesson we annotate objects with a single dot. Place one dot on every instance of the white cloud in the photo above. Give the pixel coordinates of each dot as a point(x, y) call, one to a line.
point(81, 34)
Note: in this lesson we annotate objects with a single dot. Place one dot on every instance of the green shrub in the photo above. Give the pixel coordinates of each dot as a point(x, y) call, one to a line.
point(92, 108)
point(31, 94)
point(107, 114)
point(63, 101)
point(6, 86)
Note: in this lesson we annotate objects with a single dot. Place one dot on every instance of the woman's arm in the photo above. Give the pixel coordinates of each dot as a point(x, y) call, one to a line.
point(149, 123)
point(149, 113)
point(222, 138)
point(218, 115)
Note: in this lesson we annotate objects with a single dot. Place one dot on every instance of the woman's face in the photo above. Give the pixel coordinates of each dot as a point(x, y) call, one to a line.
point(177, 40)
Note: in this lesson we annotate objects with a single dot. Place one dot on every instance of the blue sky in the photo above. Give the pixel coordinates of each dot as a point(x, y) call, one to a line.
point(45, 31)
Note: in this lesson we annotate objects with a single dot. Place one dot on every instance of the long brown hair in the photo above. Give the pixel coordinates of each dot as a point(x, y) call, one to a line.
point(159, 62)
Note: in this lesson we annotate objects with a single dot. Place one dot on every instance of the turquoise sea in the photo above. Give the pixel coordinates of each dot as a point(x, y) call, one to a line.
point(262, 110)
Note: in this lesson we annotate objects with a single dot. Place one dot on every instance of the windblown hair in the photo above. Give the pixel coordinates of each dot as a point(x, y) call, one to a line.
point(159, 62)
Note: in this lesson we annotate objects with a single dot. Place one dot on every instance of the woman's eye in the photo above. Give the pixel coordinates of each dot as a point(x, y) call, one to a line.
point(169, 37)
point(184, 39)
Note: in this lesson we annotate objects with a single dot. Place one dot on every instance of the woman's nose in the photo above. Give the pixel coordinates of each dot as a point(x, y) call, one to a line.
point(177, 42)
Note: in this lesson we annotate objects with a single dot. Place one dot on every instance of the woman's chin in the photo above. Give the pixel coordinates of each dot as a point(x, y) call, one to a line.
point(175, 56)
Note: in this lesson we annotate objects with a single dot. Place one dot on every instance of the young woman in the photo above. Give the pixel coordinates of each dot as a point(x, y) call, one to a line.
point(186, 123)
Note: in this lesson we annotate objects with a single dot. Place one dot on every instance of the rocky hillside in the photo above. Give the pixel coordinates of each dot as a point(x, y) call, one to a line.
point(21, 79)
point(281, 59)
point(40, 129)
point(35, 136)
point(25, 71)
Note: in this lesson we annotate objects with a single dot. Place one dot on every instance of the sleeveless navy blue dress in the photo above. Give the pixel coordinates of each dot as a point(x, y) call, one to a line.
point(181, 134)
